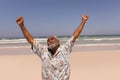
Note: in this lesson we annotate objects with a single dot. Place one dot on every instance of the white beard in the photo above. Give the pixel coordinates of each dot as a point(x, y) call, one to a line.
point(52, 46)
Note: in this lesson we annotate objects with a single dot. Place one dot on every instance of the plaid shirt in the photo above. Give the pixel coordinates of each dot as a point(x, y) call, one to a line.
point(55, 67)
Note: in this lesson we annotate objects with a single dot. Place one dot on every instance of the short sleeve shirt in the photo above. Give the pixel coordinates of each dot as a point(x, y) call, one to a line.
point(55, 67)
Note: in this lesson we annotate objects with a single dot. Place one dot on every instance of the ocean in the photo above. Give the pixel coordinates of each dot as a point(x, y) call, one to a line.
point(94, 40)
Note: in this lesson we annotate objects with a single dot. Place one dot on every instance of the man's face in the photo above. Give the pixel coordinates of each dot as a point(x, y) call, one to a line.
point(52, 42)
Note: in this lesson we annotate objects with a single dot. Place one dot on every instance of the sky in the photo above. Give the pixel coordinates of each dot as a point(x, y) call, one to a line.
point(59, 17)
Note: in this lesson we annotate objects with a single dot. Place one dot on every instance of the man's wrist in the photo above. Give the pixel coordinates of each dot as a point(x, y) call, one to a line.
point(21, 25)
point(84, 20)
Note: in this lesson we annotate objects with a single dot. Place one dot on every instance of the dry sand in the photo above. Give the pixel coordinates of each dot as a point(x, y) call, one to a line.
point(85, 65)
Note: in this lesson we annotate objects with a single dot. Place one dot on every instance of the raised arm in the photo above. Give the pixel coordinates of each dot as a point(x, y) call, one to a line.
point(80, 27)
point(27, 35)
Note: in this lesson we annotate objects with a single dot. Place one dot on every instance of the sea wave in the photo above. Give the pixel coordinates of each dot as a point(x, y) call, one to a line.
point(101, 39)
point(110, 44)
point(5, 41)
point(85, 41)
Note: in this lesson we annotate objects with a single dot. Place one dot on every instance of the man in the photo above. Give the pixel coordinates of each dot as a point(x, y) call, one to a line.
point(55, 57)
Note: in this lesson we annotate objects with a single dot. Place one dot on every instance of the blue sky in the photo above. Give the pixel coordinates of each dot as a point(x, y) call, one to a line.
point(59, 17)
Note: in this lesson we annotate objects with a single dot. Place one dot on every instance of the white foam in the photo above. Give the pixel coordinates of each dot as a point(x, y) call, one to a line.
point(100, 39)
point(110, 44)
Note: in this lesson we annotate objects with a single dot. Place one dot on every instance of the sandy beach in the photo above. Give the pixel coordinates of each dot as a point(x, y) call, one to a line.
point(20, 64)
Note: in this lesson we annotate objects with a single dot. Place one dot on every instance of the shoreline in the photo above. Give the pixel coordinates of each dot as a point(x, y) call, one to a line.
point(27, 49)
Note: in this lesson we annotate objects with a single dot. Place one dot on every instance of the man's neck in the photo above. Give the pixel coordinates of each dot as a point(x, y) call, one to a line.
point(53, 51)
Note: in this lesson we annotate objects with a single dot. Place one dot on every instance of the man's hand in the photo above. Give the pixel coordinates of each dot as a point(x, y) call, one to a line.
point(84, 17)
point(20, 21)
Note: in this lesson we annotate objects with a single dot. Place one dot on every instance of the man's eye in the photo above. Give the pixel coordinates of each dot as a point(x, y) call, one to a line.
point(52, 39)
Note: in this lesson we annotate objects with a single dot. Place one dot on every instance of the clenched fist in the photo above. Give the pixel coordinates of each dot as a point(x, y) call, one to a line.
point(85, 17)
point(20, 21)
